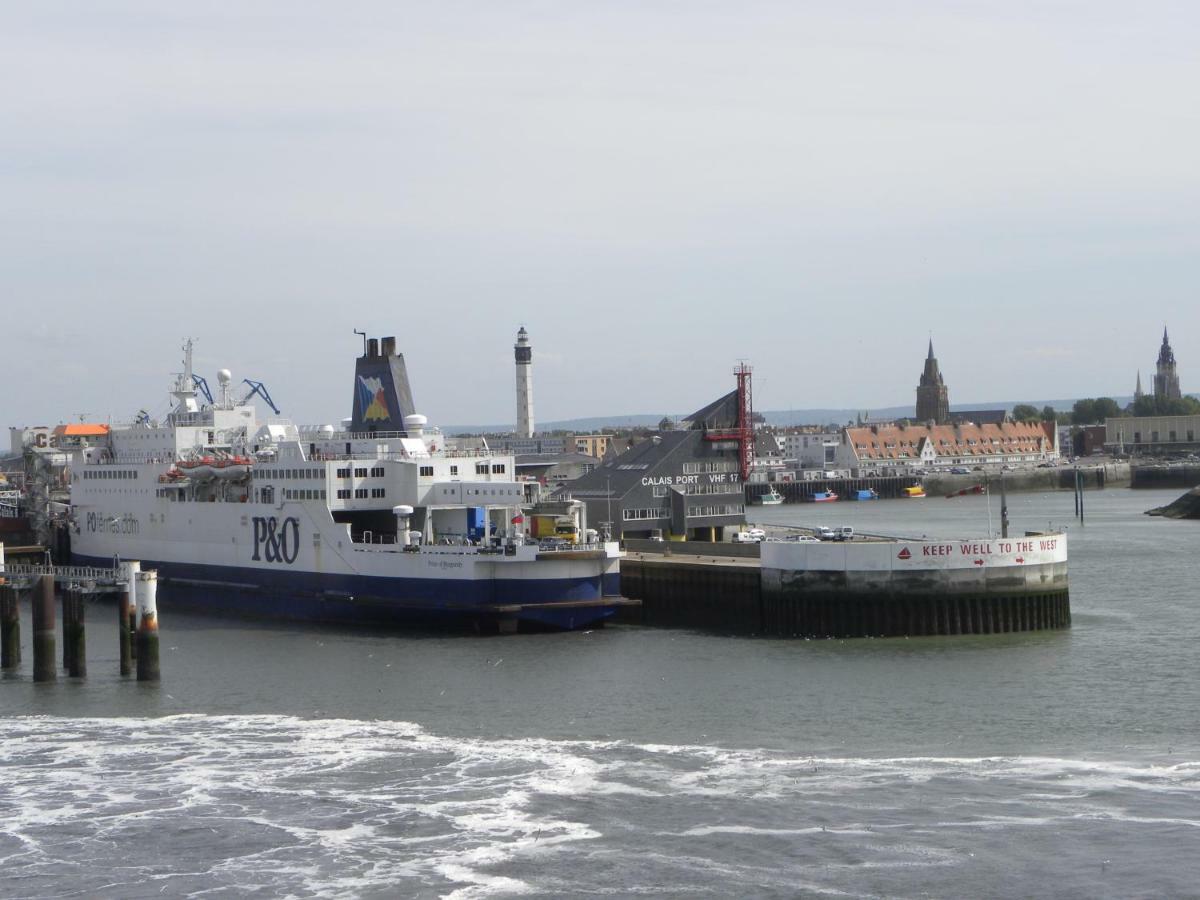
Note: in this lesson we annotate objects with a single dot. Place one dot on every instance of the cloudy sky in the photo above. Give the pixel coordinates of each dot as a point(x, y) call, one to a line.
point(655, 189)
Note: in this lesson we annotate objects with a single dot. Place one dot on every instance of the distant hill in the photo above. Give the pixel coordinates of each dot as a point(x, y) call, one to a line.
point(780, 417)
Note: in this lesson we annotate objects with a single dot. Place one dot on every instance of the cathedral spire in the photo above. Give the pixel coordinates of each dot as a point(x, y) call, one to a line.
point(1166, 377)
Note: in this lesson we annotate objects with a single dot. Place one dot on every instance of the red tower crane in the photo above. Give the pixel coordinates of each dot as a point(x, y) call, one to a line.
point(743, 431)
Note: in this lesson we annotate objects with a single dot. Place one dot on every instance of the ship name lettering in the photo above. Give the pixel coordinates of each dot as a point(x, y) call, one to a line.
point(276, 541)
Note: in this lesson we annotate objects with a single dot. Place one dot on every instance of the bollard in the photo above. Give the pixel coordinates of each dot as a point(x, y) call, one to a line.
point(147, 628)
point(44, 668)
point(10, 628)
point(124, 637)
point(77, 665)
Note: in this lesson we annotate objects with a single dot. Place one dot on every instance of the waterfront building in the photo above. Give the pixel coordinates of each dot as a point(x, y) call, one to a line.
point(886, 448)
point(1166, 379)
point(592, 444)
point(933, 399)
point(1153, 434)
point(680, 484)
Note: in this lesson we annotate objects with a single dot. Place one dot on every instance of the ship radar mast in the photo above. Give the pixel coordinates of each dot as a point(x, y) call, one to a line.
point(185, 385)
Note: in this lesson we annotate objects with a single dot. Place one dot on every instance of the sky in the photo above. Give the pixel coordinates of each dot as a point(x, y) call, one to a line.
point(656, 190)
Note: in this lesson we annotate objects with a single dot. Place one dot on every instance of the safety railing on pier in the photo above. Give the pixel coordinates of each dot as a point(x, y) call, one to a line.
point(66, 574)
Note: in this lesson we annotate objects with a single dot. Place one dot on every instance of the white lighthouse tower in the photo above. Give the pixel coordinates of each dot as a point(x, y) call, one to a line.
point(524, 357)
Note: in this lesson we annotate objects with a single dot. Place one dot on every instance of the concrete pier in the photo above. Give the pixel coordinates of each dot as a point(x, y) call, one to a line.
point(876, 589)
point(45, 666)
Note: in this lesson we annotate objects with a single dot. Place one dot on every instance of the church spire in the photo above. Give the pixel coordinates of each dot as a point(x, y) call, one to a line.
point(1137, 391)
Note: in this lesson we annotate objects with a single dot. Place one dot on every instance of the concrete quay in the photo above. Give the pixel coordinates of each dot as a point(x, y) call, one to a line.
point(868, 588)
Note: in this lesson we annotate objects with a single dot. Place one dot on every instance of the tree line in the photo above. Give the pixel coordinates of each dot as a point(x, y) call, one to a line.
point(1094, 410)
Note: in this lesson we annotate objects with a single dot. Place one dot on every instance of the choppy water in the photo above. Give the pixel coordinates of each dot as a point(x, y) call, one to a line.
point(294, 762)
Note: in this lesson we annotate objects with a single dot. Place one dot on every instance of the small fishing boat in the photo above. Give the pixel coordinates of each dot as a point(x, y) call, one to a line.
point(916, 492)
point(824, 497)
point(868, 494)
point(770, 498)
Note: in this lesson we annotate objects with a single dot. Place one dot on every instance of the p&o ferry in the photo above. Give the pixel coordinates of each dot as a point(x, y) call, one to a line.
point(375, 522)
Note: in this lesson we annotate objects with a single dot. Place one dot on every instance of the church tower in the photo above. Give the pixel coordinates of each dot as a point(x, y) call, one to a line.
point(933, 400)
point(1166, 379)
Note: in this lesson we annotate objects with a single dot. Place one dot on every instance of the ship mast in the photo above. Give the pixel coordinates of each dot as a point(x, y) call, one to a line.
point(185, 385)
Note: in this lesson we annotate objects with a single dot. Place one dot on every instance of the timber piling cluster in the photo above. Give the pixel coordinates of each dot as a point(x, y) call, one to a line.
point(45, 586)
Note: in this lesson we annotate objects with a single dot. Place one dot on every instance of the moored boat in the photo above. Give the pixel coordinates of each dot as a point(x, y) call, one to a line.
point(375, 523)
point(770, 498)
point(915, 492)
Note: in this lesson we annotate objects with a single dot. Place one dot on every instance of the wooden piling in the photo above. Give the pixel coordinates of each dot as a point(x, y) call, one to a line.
point(124, 635)
point(10, 628)
point(67, 600)
point(147, 628)
point(77, 664)
point(44, 663)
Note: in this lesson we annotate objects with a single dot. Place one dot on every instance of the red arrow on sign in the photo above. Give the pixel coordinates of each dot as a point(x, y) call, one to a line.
point(979, 562)
point(1020, 559)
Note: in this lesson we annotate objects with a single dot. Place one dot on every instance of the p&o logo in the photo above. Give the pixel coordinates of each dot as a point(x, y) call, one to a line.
point(276, 541)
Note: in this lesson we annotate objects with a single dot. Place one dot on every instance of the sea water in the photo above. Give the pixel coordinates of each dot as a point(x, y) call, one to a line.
point(291, 761)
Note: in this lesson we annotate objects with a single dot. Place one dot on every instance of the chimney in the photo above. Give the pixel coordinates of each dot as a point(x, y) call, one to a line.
point(387, 346)
point(372, 348)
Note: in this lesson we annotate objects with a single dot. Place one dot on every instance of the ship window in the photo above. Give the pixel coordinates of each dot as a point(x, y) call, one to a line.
point(377, 472)
point(360, 493)
point(343, 493)
point(454, 469)
point(426, 471)
point(378, 492)
point(343, 473)
point(322, 493)
point(498, 469)
point(360, 473)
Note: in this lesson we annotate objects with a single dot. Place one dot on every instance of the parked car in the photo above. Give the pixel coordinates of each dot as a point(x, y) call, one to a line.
point(825, 533)
point(843, 533)
point(959, 470)
point(749, 536)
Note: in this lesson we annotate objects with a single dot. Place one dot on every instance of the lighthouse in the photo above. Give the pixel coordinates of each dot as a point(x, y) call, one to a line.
point(523, 353)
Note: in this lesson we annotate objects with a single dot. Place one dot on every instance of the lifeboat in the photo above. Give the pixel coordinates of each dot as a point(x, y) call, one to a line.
point(198, 469)
point(232, 468)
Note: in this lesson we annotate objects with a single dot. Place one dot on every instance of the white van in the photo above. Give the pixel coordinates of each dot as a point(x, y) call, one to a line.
point(749, 536)
point(843, 533)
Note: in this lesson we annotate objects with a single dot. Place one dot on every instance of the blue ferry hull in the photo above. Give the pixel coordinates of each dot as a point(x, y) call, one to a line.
point(387, 602)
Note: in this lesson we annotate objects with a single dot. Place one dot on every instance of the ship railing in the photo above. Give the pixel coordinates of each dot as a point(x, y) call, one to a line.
point(568, 547)
point(130, 459)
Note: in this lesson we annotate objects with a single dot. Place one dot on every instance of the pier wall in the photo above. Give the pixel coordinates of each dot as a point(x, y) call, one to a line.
point(882, 589)
point(1161, 475)
point(1061, 478)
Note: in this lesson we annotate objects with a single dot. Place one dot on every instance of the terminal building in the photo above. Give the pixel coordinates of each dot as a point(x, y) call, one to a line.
point(1150, 435)
point(679, 484)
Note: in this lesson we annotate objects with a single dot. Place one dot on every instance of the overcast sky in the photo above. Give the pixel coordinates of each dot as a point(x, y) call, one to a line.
point(655, 190)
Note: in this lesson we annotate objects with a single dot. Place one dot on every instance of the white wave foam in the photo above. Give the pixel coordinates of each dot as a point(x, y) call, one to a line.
point(335, 806)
